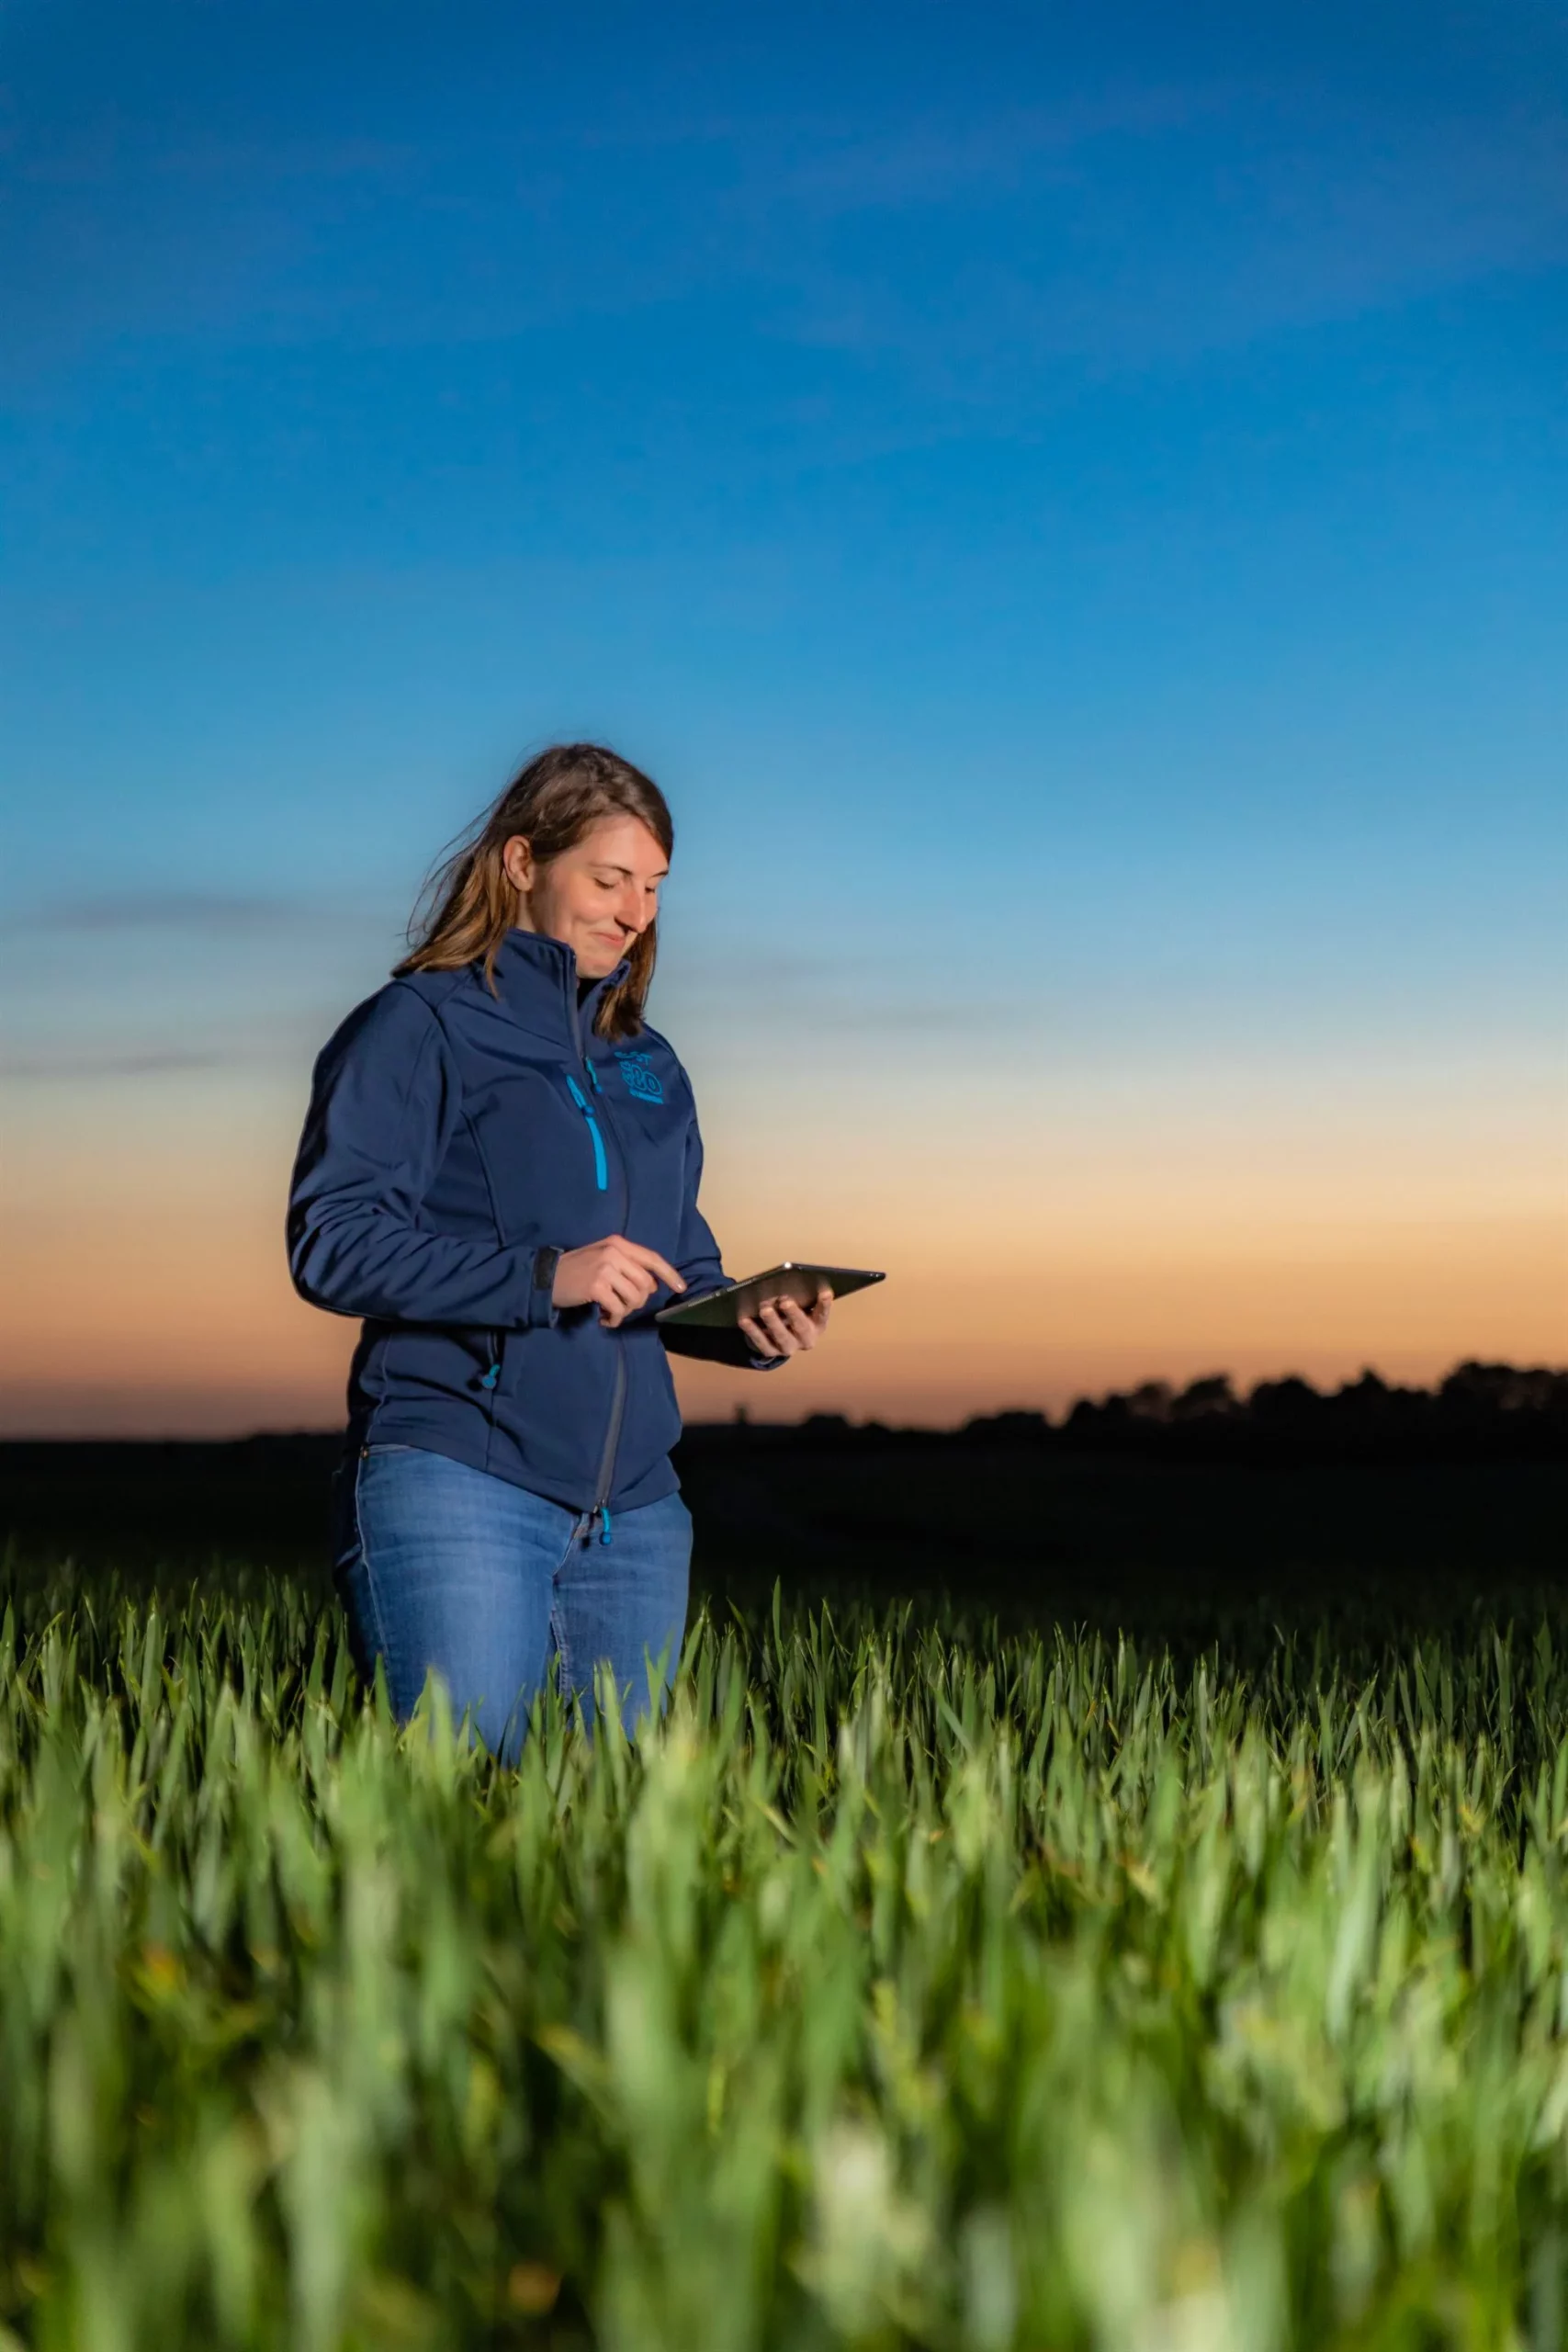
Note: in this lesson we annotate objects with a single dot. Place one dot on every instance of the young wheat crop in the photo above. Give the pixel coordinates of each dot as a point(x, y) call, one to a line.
point(905, 1985)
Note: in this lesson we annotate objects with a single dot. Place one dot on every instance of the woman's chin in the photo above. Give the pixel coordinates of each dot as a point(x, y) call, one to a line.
point(594, 963)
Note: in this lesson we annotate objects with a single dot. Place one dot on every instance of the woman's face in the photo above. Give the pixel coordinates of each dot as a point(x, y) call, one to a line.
point(595, 899)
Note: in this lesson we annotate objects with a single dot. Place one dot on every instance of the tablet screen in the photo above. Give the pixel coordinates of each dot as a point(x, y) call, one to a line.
point(719, 1310)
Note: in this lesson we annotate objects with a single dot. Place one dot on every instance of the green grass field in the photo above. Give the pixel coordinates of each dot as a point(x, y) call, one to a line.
point(913, 1983)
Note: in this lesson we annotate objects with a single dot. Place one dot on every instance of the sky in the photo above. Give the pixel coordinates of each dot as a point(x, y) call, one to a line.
point(1070, 502)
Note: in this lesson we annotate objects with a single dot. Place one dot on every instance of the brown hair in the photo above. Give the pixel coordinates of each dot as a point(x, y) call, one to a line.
point(468, 906)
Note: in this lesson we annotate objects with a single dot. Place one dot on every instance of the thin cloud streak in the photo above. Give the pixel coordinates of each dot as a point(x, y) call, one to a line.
point(207, 914)
point(1332, 218)
point(52, 1069)
point(204, 911)
point(926, 163)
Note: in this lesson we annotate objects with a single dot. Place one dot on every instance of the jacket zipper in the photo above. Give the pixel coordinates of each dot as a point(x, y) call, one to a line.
point(605, 1480)
point(601, 1510)
point(601, 1165)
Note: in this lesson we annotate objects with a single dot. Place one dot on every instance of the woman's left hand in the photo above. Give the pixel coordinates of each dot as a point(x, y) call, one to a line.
point(780, 1327)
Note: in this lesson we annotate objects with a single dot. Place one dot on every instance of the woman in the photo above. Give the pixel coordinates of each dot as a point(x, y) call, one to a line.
point(499, 1172)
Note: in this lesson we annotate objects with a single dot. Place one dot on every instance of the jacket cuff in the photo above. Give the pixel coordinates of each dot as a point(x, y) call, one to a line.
point(541, 1310)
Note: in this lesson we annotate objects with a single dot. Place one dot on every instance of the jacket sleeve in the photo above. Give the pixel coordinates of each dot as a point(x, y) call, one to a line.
point(385, 1099)
point(699, 1262)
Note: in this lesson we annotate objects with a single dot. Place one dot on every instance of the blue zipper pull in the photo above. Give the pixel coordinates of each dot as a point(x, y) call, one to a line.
point(487, 1379)
point(601, 1165)
point(593, 1078)
point(604, 1516)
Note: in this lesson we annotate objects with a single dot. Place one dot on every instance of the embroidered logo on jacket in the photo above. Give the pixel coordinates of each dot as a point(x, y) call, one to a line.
point(642, 1079)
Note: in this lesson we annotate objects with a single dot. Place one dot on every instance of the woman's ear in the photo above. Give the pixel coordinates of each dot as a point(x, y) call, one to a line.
point(517, 863)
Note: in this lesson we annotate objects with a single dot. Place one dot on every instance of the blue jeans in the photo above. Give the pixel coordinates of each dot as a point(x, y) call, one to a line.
point(447, 1567)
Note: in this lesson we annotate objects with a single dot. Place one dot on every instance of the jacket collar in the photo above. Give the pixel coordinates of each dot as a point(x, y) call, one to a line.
point(537, 979)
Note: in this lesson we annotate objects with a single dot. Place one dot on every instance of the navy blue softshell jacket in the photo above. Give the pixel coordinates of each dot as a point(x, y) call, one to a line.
point(455, 1139)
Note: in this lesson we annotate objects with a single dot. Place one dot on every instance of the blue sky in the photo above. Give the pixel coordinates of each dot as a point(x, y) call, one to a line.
point(1071, 503)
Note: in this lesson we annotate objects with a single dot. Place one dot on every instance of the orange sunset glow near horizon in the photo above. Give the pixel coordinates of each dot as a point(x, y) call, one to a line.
point(1091, 1238)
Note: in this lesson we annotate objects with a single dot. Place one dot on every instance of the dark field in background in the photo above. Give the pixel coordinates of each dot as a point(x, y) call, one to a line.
point(1163, 1513)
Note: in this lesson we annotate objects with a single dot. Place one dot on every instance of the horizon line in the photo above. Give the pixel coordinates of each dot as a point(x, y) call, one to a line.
point(1153, 1401)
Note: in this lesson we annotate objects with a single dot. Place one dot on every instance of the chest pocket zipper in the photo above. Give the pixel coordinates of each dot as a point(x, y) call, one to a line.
point(601, 1165)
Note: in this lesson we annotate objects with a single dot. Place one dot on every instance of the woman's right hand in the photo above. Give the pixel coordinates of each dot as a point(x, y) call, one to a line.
point(618, 1276)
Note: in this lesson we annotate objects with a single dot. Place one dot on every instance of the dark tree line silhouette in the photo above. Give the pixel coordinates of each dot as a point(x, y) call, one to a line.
point(156, 1496)
point(1480, 1412)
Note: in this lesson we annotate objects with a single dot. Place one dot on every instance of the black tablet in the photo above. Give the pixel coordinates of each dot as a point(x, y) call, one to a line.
point(720, 1311)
